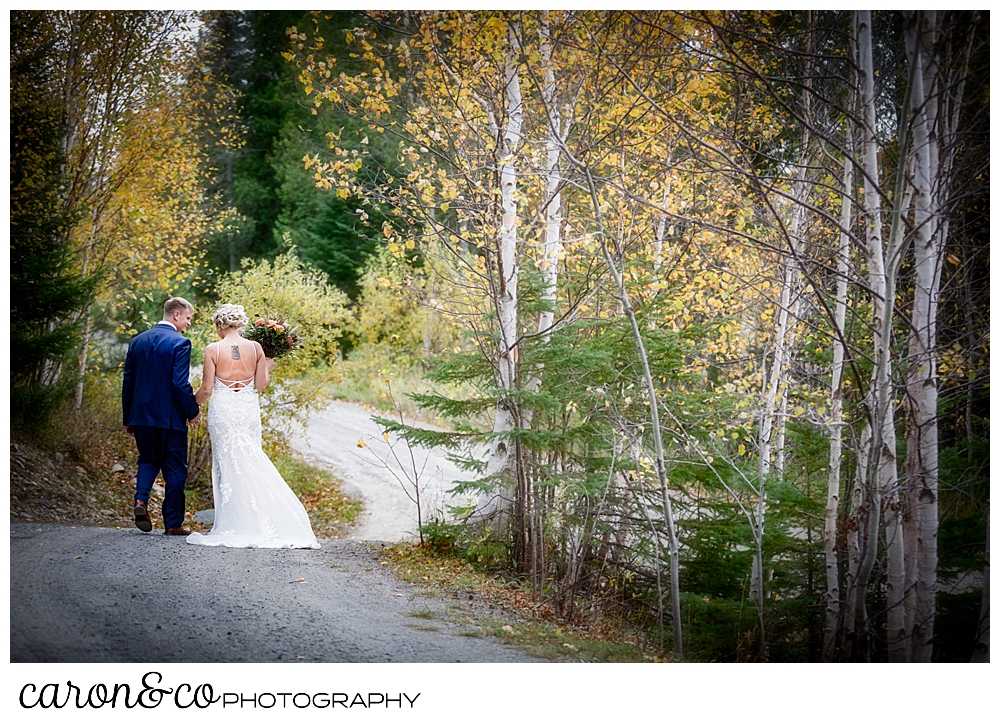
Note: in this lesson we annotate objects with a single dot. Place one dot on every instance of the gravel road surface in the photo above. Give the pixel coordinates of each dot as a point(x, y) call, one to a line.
point(94, 594)
point(330, 439)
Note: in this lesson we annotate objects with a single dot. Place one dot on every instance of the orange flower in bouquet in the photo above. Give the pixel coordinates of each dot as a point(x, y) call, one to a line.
point(275, 336)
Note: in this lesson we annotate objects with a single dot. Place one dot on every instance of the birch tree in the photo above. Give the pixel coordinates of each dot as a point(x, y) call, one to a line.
point(715, 180)
point(882, 264)
point(936, 100)
point(836, 422)
point(465, 159)
point(552, 213)
point(500, 458)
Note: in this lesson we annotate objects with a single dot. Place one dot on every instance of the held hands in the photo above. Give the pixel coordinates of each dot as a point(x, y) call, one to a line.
point(193, 422)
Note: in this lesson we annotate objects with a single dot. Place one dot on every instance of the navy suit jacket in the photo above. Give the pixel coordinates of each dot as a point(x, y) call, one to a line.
point(156, 390)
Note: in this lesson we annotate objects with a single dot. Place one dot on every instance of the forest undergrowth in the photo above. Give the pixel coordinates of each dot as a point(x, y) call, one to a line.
point(603, 631)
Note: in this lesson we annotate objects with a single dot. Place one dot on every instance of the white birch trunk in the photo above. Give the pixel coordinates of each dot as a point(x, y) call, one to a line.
point(497, 506)
point(936, 100)
point(836, 422)
point(921, 383)
point(551, 246)
point(553, 207)
point(854, 608)
point(82, 366)
point(781, 425)
point(85, 333)
point(774, 410)
point(661, 229)
point(552, 214)
point(659, 235)
point(775, 407)
point(882, 282)
point(766, 432)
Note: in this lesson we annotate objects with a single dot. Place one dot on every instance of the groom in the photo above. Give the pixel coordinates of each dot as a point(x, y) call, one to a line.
point(157, 405)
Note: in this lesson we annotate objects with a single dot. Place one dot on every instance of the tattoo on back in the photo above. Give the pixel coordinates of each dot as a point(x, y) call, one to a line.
point(236, 351)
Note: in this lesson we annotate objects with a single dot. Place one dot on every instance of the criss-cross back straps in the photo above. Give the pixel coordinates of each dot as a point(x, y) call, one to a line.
point(235, 383)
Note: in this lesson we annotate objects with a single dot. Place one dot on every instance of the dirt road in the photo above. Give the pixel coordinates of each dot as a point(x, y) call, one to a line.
point(95, 594)
point(330, 439)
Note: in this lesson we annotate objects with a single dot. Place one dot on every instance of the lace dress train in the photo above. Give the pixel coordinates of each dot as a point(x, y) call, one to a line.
point(254, 507)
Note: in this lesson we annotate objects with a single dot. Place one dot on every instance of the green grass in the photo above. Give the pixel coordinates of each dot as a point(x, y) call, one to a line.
point(364, 378)
point(553, 642)
point(426, 612)
point(330, 510)
point(437, 570)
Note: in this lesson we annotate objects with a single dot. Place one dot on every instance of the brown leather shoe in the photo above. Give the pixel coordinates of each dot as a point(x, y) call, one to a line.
point(142, 516)
point(177, 531)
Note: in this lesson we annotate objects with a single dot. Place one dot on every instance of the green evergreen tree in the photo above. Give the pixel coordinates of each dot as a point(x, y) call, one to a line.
point(45, 288)
point(264, 180)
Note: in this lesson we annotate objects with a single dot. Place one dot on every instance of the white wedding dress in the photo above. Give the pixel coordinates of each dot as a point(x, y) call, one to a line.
point(254, 507)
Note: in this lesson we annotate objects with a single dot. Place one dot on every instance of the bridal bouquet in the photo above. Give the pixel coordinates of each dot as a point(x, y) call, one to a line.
point(276, 336)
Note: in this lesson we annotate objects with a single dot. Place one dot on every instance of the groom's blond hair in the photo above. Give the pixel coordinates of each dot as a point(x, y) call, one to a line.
point(175, 303)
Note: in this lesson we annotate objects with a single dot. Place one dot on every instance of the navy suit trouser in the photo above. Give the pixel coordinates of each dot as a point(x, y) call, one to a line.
point(163, 450)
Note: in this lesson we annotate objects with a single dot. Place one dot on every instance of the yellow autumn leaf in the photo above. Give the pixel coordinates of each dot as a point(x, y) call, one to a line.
point(361, 443)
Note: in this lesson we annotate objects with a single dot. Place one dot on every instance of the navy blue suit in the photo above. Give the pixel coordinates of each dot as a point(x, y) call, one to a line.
point(157, 401)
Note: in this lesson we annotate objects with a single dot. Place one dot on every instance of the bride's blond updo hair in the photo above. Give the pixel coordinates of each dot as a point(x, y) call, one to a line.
point(229, 315)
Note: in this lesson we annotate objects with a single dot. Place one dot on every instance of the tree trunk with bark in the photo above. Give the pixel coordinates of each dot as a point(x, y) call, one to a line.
point(881, 272)
point(495, 508)
point(552, 211)
point(774, 411)
point(836, 422)
point(938, 82)
point(856, 526)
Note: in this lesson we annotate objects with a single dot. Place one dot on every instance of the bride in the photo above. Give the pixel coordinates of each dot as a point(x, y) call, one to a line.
point(253, 505)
